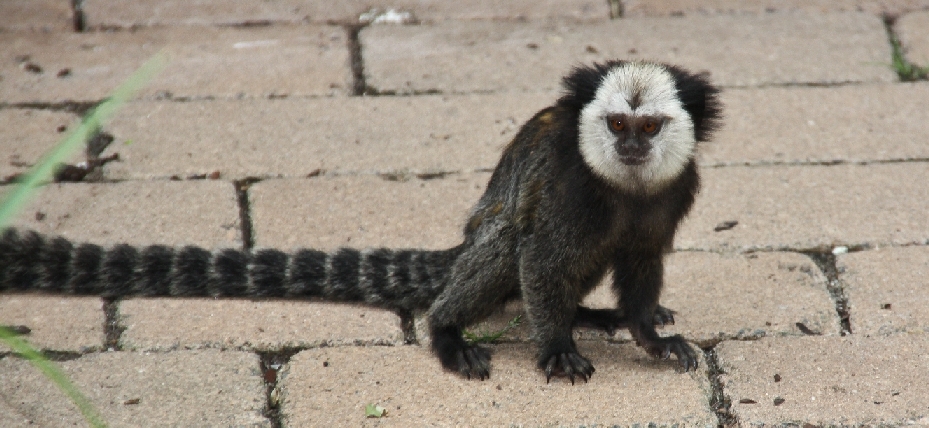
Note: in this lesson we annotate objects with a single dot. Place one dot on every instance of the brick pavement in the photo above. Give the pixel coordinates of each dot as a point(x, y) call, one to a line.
point(811, 310)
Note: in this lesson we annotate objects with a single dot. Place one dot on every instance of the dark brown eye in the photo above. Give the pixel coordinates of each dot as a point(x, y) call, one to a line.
point(616, 124)
point(650, 127)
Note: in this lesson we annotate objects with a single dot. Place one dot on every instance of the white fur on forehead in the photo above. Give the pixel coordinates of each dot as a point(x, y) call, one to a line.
point(637, 89)
point(650, 83)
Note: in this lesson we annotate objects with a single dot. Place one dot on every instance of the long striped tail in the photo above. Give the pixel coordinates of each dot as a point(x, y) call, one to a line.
point(402, 280)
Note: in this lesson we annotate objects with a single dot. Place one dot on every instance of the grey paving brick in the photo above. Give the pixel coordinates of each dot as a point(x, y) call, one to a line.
point(201, 213)
point(857, 123)
point(914, 37)
point(115, 13)
point(718, 297)
point(36, 15)
point(636, 8)
point(762, 294)
point(294, 137)
point(34, 134)
point(850, 381)
point(405, 133)
point(172, 12)
point(809, 207)
point(439, 10)
point(887, 289)
point(363, 211)
point(241, 324)
point(752, 50)
point(202, 62)
point(46, 317)
point(193, 388)
point(331, 386)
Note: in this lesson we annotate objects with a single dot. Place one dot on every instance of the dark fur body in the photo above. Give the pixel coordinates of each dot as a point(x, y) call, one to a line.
point(547, 229)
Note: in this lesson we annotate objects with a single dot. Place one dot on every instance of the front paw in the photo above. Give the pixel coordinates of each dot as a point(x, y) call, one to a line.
point(456, 355)
point(663, 347)
point(471, 362)
point(568, 364)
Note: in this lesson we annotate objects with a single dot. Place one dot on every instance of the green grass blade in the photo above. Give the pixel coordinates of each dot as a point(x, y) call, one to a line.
point(55, 374)
point(15, 199)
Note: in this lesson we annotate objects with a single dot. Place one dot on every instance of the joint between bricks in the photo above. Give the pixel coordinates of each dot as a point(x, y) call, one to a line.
point(720, 403)
point(356, 60)
point(112, 329)
point(271, 363)
point(78, 19)
point(617, 8)
point(408, 326)
point(245, 211)
point(78, 108)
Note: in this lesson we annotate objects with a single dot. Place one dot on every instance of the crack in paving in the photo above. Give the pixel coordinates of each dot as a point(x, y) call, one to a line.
point(826, 261)
point(906, 70)
point(832, 162)
point(56, 356)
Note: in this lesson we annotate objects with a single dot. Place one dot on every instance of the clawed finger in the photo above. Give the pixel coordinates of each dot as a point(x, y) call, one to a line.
point(571, 365)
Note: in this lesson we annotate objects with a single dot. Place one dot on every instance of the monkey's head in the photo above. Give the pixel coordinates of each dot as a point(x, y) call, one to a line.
point(639, 122)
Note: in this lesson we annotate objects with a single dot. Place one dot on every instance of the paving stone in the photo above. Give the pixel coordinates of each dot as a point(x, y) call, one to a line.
point(104, 13)
point(828, 381)
point(36, 15)
point(36, 132)
point(194, 388)
point(363, 211)
point(203, 213)
point(858, 123)
point(45, 316)
point(887, 289)
point(809, 207)
point(242, 324)
point(202, 62)
point(717, 297)
point(379, 134)
point(914, 37)
point(637, 8)
point(332, 386)
point(783, 48)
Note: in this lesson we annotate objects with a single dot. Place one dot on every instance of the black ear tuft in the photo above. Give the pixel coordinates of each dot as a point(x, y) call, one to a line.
point(700, 99)
point(582, 83)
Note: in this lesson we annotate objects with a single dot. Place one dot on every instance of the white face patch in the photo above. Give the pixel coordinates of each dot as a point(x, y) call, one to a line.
point(637, 89)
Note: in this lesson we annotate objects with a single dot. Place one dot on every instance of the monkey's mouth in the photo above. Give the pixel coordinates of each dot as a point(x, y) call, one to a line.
point(632, 155)
point(633, 160)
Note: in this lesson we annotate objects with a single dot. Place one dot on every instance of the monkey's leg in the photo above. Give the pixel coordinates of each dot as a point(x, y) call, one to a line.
point(479, 282)
point(551, 304)
point(638, 278)
point(610, 320)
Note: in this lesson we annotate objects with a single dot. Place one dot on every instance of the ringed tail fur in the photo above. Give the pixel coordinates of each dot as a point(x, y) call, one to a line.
point(399, 280)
